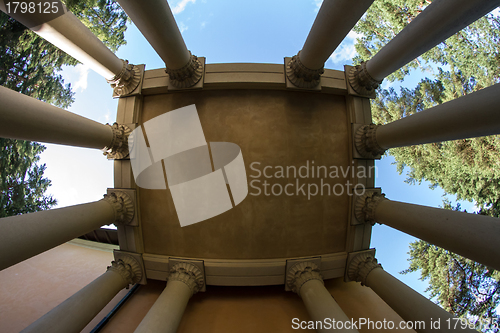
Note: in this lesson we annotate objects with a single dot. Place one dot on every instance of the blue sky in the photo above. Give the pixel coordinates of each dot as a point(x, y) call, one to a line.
point(223, 31)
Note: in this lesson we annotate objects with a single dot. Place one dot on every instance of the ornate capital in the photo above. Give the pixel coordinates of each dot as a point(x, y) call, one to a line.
point(118, 149)
point(188, 75)
point(361, 81)
point(300, 75)
point(366, 205)
point(360, 266)
point(188, 274)
point(122, 205)
point(365, 140)
point(301, 273)
point(127, 80)
point(128, 271)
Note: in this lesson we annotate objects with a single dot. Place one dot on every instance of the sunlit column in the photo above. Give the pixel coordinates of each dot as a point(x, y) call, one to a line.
point(410, 305)
point(165, 315)
point(473, 236)
point(334, 21)
point(440, 20)
point(24, 236)
point(65, 31)
point(469, 116)
point(72, 315)
point(26, 118)
point(304, 278)
point(156, 22)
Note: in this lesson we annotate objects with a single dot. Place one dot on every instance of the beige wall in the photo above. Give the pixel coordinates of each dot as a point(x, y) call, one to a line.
point(33, 287)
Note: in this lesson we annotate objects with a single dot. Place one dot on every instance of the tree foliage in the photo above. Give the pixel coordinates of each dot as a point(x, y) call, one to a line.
point(461, 286)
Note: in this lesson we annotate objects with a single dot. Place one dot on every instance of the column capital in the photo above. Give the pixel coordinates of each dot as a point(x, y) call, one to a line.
point(127, 80)
point(366, 143)
point(129, 271)
point(360, 265)
point(118, 149)
point(300, 75)
point(361, 81)
point(188, 274)
point(188, 75)
point(301, 273)
point(365, 206)
point(123, 206)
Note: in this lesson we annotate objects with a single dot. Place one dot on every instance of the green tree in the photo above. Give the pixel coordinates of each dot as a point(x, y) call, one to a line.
point(22, 185)
point(461, 286)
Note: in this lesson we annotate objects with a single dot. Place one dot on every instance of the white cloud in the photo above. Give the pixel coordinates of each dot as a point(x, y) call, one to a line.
point(83, 73)
point(181, 6)
point(203, 24)
point(318, 4)
point(182, 27)
point(345, 51)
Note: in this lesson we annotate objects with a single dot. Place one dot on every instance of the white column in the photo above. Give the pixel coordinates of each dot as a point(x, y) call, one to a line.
point(446, 17)
point(165, 315)
point(304, 278)
point(334, 21)
point(71, 36)
point(24, 236)
point(72, 315)
point(155, 21)
point(470, 116)
point(26, 118)
point(409, 304)
point(473, 236)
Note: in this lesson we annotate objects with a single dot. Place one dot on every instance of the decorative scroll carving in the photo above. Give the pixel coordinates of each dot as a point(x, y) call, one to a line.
point(118, 149)
point(122, 205)
point(365, 140)
point(366, 205)
point(188, 75)
point(300, 75)
point(301, 273)
point(361, 81)
point(189, 274)
point(360, 266)
point(126, 271)
point(127, 80)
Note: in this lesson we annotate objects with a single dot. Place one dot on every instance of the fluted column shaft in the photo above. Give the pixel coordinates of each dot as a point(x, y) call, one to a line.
point(26, 118)
point(469, 116)
point(409, 304)
point(165, 315)
point(72, 315)
point(470, 235)
point(305, 279)
point(73, 37)
point(24, 236)
point(334, 21)
point(446, 17)
point(156, 22)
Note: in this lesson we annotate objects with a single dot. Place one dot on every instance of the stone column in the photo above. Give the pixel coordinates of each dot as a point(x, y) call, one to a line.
point(334, 21)
point(26, 118)
point(72, 315)
point(155, 21)
point(65, 31)
point(165, 315)
point(304, 278)
point(409, 304)
point(24, 236)
point(470, 235)
point(469, 116)
point(446, 17)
